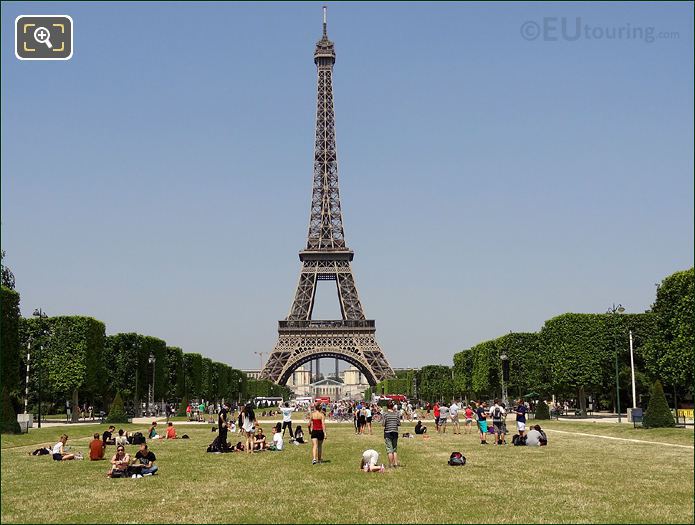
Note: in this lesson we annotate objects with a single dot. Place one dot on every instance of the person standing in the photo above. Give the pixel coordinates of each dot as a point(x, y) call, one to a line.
point(498, 415)
point(317, 429)
point(391, 422)
point(443, 417)
point(454, 411)
point(287, 418)
point(368, 415)
point(481, 413)
point(521, 417)
point(248, 424)
point(468, 413)
point(436, 416)
point(222, 425)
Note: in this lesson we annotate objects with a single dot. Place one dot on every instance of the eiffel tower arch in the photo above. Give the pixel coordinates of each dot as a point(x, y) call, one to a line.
point(326, 257)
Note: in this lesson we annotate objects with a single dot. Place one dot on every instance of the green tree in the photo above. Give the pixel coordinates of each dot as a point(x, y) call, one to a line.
point(194, 375)
point(669, 353)
point(658, 413)
point(176, 374)
point(72, 356)
point(8, 418)
point(434, 383)
point(9, 339)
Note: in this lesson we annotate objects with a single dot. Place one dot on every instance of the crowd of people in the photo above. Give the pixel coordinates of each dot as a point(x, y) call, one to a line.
point(491, 421)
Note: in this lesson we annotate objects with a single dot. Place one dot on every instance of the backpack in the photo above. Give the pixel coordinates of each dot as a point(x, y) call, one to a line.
point(497, 414)
point(137, 439)
point(457, 459)
point(519, 441)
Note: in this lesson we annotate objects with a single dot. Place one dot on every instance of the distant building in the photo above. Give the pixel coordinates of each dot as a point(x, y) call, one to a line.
point(350, 384)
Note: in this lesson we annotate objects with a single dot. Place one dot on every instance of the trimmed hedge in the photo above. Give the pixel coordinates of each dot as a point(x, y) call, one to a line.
point(658, 414)
point(117, 414)
point(72, 359)
point(434, 382)
point(176, 375)
point(158, 348)
point(542, 410)
point(194, 375)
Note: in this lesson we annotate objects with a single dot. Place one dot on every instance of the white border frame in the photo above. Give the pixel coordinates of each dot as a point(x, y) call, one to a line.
point(72, 37)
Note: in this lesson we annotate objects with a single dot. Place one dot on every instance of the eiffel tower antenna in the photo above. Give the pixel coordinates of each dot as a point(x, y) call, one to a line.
point(326, 258)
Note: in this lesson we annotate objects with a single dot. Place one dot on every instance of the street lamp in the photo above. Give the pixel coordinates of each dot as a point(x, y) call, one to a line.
point(505, 373)
point(150, 398)
point(616, 310)
point(239, 402)
point(38, 312)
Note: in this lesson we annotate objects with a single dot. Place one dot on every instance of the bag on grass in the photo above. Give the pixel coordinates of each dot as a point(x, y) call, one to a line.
point(137, 438)
point(457, 459)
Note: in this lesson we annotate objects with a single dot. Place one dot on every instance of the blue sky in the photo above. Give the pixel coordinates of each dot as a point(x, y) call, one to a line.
point(160, 179)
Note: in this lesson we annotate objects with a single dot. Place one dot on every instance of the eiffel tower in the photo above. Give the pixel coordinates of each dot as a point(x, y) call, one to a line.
point(326, 257)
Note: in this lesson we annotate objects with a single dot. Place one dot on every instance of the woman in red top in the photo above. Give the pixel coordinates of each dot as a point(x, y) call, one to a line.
point(317, 427)
point(469, 419)
point(436, 416)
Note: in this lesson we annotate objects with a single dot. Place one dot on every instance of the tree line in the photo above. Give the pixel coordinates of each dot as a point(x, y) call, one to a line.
point(573, 356)
point(71, 358)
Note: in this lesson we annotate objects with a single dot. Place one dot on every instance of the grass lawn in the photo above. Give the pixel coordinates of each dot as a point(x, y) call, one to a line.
point(574, 479)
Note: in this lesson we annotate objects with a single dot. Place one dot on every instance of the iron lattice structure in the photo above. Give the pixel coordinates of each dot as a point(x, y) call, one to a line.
point(326, 257)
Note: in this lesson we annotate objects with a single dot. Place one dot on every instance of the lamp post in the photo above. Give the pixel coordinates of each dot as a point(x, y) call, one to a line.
point(26, 386)
point(150, 399)
point(505, 371)
point(632, 370)
point(239, 402)
point(616, 310)
point(261, 354)
point(38, 312)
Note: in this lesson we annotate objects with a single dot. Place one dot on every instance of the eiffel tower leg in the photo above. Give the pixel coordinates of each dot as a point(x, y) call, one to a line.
point(347, 293)
point(303, 303)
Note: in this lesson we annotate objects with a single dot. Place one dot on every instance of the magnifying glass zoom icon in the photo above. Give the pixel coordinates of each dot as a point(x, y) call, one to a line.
point(43, 36)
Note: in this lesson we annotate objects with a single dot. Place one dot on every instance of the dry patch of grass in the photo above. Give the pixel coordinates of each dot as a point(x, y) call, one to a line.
point(575, 479)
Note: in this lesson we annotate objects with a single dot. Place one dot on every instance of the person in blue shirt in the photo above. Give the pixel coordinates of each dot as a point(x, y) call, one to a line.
point(520, 412)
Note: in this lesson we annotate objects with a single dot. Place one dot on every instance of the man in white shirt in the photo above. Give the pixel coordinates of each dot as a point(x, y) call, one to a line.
point(368, 415)
point(286, 419)
point(499, 415)
point(443, 416)
point(454, 412)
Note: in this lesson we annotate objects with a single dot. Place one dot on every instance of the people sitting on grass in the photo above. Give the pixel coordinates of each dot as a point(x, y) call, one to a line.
point(107, 436)
point(536, 437)
point(259, 442)
point(152, 433)
point(369, 461)
point(144, 462)
point(171, 431)
point(96, 448)
point(278, 443)
point(59, 453)
point(519, 440)
point(120, 462)
point(122, 438)
point(299, 435)
point(420, 428)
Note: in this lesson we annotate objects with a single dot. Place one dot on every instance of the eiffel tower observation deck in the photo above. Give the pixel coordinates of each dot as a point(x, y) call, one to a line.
point(326, 257)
